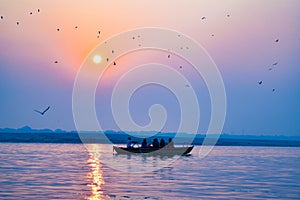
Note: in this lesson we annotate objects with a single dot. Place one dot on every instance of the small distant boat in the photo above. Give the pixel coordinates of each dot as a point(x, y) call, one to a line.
point(154, 151)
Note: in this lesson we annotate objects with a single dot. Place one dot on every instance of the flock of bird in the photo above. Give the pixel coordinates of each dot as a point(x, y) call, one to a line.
point(18, 23)
point(114, 63)
point(271, 68)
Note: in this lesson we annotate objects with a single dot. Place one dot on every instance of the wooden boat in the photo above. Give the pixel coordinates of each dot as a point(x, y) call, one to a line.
point(154, 151)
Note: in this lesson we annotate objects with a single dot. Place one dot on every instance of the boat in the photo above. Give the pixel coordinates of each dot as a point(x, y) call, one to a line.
point(154, 151)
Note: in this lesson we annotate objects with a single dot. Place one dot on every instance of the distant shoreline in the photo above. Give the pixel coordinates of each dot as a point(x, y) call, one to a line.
point(121, 138)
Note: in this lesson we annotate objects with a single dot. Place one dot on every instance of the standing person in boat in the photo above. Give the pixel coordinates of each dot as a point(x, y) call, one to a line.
point(171, 143)
point(129, 142)
point(155, 143)
point(162, 143)
point(144, 143)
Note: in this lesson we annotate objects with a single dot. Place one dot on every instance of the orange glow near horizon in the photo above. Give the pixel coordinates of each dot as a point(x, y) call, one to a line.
point(83, 26)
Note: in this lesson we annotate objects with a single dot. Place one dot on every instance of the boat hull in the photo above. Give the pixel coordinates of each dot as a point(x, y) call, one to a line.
point(154, 151)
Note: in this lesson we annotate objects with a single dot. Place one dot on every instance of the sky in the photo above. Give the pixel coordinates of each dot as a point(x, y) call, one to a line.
point(39, 64)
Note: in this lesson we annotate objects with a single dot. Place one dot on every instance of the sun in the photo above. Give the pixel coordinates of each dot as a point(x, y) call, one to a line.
point(97, 59)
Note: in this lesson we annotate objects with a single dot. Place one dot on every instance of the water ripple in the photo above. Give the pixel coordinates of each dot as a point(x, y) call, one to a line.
point(69, 171)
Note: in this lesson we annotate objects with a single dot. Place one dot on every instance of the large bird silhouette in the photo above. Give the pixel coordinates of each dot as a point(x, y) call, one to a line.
point(42, 113)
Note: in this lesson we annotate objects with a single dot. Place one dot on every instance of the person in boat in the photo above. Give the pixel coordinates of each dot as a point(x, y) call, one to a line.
point(171, 143)
point(144, 143)
point(129, 143)
point(155, 143)
point(162, 143)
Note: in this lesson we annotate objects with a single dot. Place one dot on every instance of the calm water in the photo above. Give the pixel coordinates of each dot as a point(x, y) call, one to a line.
point(69, 171)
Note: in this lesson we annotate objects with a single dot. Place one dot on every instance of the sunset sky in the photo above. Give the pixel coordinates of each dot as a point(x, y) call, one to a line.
point(239, 35)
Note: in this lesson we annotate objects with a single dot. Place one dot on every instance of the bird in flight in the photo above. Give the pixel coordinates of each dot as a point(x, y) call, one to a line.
point(277, 40)
point(260, 82)
point(42, 113)
point(203, 18)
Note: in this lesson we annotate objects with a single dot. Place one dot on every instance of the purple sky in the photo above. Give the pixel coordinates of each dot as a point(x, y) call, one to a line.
point(243, 46)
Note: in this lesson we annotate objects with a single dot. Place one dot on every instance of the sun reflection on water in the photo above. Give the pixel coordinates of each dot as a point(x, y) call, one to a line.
point(96, 174)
